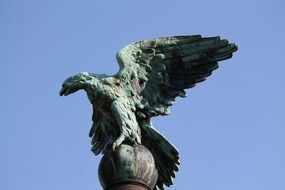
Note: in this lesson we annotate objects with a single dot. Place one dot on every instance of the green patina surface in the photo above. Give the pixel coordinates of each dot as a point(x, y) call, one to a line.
point(152, 74)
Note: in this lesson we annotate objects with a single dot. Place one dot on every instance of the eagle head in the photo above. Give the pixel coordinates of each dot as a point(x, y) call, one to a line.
point(75, 83)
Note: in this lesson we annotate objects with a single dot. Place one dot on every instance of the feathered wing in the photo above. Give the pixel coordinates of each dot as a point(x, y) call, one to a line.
point(100, 141)
point(155, 72)
point(159, 70)
point(165, 154)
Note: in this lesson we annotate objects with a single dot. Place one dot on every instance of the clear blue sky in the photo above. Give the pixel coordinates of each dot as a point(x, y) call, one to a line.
point(229, 131)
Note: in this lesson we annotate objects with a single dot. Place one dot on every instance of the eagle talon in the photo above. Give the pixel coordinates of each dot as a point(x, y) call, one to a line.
point(119, 141)
point(114, 146)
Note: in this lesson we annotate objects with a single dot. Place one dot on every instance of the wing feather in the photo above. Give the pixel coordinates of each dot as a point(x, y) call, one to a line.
point(100, 140)
point(164, 67)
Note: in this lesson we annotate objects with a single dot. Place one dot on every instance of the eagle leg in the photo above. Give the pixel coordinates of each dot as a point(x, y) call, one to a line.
point(129, 131)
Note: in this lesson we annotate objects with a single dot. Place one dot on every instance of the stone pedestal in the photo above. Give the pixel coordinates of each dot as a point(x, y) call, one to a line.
point(128, 168)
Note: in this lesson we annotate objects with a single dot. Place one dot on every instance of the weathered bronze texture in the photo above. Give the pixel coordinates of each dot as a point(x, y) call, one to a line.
point(128, 165)
point(152, 74)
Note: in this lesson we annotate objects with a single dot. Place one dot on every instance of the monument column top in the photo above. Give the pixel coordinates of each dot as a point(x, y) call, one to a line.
point(128, 168)
point(128, 187)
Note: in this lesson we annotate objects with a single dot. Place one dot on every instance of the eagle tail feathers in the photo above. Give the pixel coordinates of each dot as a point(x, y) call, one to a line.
point(165, 155)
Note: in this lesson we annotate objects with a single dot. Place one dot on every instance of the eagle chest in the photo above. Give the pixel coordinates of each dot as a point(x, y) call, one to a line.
point(105, 96)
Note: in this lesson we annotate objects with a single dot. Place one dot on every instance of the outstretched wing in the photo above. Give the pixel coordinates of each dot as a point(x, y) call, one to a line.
point(157, 71)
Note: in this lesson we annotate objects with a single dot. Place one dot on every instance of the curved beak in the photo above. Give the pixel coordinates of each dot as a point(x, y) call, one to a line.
point(68, 89)
point(63, 91)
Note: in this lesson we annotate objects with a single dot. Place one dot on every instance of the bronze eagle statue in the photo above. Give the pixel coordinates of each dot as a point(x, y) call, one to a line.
point(152, 74)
